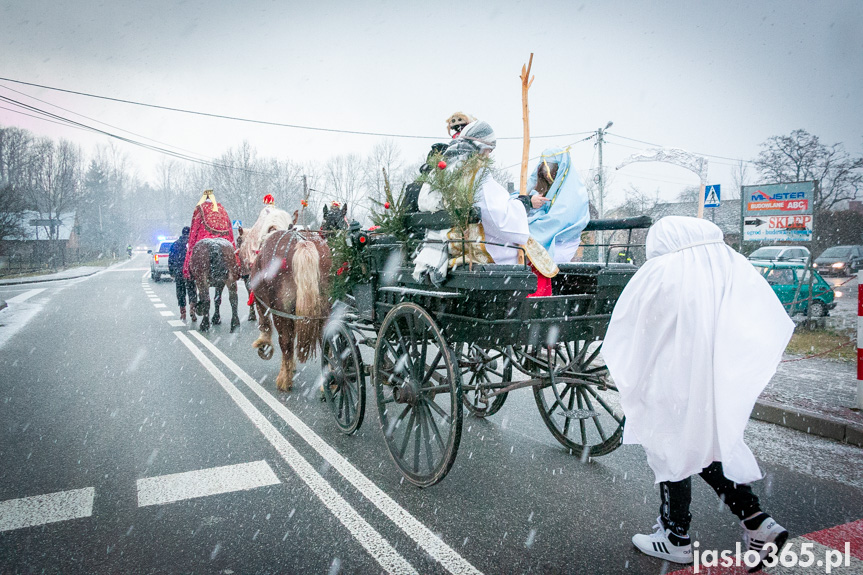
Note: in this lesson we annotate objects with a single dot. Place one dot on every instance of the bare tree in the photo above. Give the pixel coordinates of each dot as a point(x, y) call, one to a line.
point(343, 180)
point(739, 178)
point(55, 172)
point(690, 195)
point(167, 189)
point(15, 157)
point(800, 156)
point(11, 212)
point(637, 203)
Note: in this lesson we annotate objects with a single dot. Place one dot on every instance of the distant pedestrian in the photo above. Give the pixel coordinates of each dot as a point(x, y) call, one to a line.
point(693, 340)
point(184, 286)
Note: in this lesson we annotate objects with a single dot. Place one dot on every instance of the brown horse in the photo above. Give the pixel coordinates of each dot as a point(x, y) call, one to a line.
point(291, 276)
point(213, 263)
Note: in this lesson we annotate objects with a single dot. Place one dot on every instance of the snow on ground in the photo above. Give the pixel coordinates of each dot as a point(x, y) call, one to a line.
point(808, 454)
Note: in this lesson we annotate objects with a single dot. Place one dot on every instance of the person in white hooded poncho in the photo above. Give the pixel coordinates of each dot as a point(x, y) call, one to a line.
point(693, 340)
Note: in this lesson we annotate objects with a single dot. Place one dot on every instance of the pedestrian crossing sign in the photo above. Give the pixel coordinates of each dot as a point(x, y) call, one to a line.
point(711, 196)
point(237, 224)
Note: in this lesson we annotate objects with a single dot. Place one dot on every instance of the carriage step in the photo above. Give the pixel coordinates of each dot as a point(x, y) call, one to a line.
point(577, 413)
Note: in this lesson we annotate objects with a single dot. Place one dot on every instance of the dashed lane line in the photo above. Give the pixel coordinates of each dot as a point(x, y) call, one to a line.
point(416, 530)
point(166, 313)
point(176, 323)
point(49, 508)
point(203, 482)
point(158, 305)
point(372, 541)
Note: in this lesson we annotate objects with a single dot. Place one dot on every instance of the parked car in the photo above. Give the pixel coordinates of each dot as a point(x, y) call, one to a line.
point(790, 283)
point(159, 261)
point(840, 260)
point(780, 254)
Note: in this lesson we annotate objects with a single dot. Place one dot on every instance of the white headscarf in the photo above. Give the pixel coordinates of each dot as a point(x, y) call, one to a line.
point(694, 338)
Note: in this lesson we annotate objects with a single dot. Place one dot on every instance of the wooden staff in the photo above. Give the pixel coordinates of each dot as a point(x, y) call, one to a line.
point(525, 153)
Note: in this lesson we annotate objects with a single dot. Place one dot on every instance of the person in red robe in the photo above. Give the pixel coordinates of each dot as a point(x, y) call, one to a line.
point(209, 220)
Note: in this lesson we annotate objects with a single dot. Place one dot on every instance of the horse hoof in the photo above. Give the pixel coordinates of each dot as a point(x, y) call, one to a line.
point(217, 321)
point(234, 325)
point(204, 327)
point(265, 351)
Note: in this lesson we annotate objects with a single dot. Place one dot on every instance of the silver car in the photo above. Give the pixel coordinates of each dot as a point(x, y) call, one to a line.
point(159, 260)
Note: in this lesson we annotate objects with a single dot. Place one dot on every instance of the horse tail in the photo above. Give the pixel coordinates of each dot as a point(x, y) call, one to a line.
point(307, 279)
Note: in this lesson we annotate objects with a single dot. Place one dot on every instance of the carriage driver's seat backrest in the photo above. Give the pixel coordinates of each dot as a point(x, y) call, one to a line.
point(419, 222)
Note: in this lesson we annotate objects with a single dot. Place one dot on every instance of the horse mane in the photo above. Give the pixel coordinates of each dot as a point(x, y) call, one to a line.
point(269, 220)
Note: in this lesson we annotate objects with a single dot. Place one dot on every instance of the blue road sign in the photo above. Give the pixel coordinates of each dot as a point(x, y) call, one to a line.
point(236, 224)
point(711, 196)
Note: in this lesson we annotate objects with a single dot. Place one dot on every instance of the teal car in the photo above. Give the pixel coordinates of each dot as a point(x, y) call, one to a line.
point(792, 279)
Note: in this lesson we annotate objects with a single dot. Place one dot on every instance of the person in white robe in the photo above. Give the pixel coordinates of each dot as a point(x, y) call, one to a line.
point(693, 340)
point(504, 219)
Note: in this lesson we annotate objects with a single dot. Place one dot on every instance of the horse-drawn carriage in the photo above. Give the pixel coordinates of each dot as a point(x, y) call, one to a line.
point(440, 349)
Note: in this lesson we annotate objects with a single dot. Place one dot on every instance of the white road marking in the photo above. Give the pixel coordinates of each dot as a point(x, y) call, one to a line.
point(166, 313)
point(372, 541)
point(50, 508)
point(203, 482)
point(422, 535)
point(25, 296)
point(157, 305)
point(176, 323)
point(127, 270)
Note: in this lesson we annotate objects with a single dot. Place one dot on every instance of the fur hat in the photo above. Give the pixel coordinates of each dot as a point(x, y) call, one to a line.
point(457, 121)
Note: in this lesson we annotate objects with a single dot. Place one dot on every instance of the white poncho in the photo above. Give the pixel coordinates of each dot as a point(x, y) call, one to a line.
point(693, 340)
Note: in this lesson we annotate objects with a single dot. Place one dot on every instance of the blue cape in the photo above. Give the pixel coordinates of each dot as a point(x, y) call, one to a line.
point(566, 215)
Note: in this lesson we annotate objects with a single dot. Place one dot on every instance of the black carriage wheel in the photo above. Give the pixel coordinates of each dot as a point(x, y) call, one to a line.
point(583, 411)
point(419, 395)
point(481, 368)
point(344, 378)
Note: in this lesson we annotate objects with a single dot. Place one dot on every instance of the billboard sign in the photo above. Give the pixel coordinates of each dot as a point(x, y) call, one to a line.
point(778, 212)
point(778, 228)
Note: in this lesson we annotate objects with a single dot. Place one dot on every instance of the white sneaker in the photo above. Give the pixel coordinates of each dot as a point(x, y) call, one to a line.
point(658, 545)
point(757, 539)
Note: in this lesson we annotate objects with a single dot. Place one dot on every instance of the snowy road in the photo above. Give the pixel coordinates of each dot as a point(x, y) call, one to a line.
point(130, 444)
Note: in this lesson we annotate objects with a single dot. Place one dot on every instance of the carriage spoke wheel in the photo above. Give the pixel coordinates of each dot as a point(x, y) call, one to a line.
point(482, 371)
point(344, 379)
point(583, 413)
point(419, 395)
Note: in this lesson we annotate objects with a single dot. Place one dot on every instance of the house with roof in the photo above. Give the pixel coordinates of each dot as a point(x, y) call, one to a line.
point(45, 241)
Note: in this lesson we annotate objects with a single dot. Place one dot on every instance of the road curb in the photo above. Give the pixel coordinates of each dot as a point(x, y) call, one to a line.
point(809, 422)
point(34, 279)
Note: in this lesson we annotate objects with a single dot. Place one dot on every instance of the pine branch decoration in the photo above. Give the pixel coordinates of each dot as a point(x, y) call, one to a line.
point(458, 187)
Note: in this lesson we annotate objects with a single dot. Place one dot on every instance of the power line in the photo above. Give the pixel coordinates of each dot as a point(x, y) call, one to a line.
point(661, 146)
point(103, 123)
point(41, 118)
point(255, 121)
point(74, 123)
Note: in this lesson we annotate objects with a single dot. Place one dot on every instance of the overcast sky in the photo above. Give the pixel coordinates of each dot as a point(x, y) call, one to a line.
point(714, 77)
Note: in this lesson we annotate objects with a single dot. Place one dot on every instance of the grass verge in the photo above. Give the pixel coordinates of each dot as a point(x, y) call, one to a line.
point(830, 343)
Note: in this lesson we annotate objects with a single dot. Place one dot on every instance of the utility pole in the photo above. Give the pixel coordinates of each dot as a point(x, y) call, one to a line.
point(305, 199)
point(600, 134)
